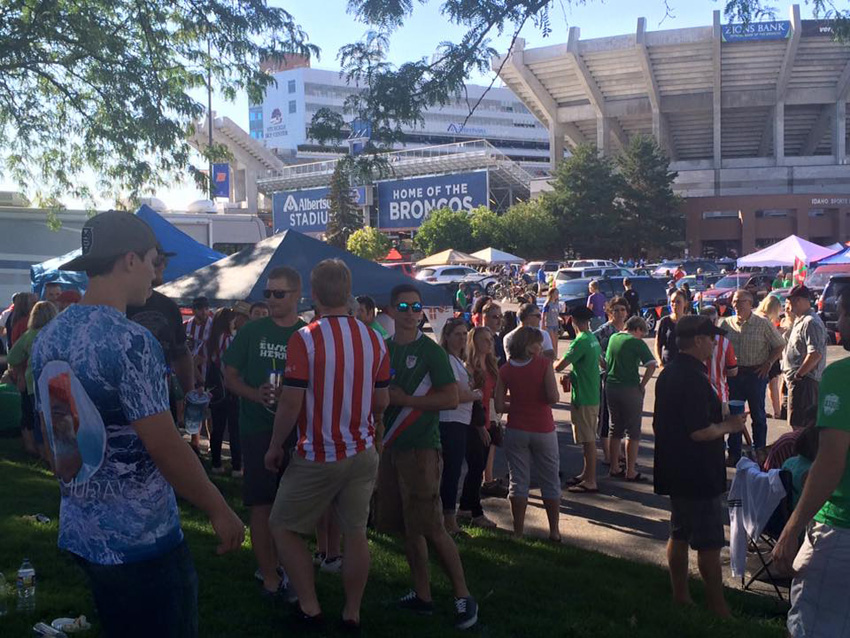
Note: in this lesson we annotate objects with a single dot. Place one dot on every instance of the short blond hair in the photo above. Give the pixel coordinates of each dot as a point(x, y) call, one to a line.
point(330, 282)
point(41, 314)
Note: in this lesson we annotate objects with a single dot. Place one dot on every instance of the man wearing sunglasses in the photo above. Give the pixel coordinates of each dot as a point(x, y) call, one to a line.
point(423, 383)
point(258, 354)
point(530, 316)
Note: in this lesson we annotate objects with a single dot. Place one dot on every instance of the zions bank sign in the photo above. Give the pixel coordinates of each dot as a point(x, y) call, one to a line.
point(307, 210)
point(406, 203)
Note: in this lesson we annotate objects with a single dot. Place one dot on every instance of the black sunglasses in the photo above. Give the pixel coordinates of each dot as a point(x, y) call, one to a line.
point(278, 294)
point(406, 307)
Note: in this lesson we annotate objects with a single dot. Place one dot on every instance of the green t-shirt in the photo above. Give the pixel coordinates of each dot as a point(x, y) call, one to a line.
point(777, 283)
point(584, 356)
point(416, 368)
point(461, 299)
point(834, 413)
point(20, 352)
point(624, 357)
point(257, 349)
point(380, 330)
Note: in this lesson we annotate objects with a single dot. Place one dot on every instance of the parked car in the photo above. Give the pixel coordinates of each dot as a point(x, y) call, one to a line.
point(820, 276)
point(699, 283)
point(720, 295)
point(690, 266)
point(828, 303)
point(405, 267)
point(565, 274)
point(592, 263)
point(532, 267)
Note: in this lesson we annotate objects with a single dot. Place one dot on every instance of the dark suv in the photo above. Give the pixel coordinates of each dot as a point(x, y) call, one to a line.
point(828, 302)
point(652, 294)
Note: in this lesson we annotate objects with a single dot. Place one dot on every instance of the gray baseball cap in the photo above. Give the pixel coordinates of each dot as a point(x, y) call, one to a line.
point(110, 235)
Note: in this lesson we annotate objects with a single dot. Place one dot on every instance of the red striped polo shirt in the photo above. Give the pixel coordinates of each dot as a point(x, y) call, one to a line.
point(199, 332)
point(339, 361)
point(723, 359)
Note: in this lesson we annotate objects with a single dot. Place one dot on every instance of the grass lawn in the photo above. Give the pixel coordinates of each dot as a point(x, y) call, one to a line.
point(528, 588)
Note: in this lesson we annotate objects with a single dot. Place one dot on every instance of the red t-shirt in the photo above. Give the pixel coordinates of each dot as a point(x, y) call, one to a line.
point(18, 329)
point(529, 409)
point(339, 361)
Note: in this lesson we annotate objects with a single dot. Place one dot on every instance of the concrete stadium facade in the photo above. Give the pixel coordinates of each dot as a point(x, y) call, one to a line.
point(753, 118)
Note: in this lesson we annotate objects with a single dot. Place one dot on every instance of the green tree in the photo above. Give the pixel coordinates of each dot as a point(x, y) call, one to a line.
point(105, 84)
point(530, 231)
point(344, 218)
point(444, 228)
point(368, 243)
point(487, 229)
point(652, 219)
point(584, 205)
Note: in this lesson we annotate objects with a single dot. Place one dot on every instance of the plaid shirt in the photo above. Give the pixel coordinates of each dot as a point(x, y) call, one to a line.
point(752, 339)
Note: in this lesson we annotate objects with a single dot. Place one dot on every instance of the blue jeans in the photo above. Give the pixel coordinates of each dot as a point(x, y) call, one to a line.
point(157, 597)
point(748, 386)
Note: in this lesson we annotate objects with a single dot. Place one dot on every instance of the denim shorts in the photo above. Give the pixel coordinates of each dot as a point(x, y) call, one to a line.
point(156, 597)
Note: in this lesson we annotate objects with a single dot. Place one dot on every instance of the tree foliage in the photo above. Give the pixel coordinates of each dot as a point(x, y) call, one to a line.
point(344, 217)
point(487, 229)
point(445, 228)
point(530, 231)
point(105, 84)
point(368, 243)
point(651, 216)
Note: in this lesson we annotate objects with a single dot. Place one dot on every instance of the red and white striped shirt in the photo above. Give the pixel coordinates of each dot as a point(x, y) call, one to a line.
point(723, 359)
point(339, 361)
point(216, 352)
point(198, 332)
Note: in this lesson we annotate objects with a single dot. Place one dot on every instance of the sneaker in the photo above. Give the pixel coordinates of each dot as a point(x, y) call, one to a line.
point(483, 521)
point(308, 623)
point(466, 612)
point(237, 474)
point(319, 558)
point(411, 602)
point(284, 592)
point(331, 565)
point(464, 514)
point(217, 470)
point(259, 575)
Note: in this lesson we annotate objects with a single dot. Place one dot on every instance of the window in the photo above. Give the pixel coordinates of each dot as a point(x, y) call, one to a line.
point(773, 212)
point(817, 212)
point(292, 106)
point(291, 86)
point(720, 214)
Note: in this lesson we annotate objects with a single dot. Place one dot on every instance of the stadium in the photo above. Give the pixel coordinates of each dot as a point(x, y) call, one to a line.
point(753, 118)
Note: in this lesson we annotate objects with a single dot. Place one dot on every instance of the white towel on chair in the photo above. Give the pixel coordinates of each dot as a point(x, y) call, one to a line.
point(753, 497)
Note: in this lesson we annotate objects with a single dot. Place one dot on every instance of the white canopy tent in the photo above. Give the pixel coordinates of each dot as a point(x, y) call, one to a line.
point(783, 253)
point(495, 256)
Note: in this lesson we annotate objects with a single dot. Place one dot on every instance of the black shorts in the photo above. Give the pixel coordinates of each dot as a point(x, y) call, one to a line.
point(259, 486)
point(697, 521)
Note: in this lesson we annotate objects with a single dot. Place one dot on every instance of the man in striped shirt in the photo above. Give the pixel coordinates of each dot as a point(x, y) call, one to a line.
point(723, 363)
point(337, 373)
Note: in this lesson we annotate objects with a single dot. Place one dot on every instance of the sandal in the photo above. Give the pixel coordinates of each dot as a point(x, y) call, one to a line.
point(573, 481)
point(637, 478)
point(582, 489)
point(619, 475)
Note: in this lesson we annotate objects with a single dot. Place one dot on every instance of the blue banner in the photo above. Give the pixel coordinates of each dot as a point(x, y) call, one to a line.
point(756, 31)
point(221, 180)
point(406, 203)
point(307, 210)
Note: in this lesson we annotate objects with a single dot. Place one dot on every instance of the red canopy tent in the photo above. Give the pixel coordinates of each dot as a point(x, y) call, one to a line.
point(393, 255)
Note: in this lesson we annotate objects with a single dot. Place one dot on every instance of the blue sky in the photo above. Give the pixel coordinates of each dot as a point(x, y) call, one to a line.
point(330, 27)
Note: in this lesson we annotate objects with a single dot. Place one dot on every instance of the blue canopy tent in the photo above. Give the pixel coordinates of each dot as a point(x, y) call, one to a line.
point(243, 276)
point(189, 256)
point(841, 257)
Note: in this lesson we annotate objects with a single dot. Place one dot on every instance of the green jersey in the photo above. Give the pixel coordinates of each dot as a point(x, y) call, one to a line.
point(625, 355)
point(258, 349)
point(20, 353)
point(584, 356)
point(380, 330)
point(834, 413)
point(416, 368)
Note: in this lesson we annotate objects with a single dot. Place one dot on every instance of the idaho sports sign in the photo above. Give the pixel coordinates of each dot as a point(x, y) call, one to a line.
point(406, 203)
point(307, 210)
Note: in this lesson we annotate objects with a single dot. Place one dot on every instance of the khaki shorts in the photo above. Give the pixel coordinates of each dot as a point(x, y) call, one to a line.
point(308, 488)
point(584, 419)
point(409, 492)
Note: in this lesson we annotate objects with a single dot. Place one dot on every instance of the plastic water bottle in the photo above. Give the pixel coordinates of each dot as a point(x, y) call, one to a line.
point(3, 594)
point(26, 587)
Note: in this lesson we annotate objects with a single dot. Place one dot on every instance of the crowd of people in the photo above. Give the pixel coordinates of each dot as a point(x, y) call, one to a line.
point(355, 418)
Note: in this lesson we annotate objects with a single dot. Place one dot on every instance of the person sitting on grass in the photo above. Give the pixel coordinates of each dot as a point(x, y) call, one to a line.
point(689, 460)
point(584, 355)
point(530, 438)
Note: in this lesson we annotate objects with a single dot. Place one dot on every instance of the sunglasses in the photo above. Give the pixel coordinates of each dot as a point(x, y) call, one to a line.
point(407, 307)
point(278, 294)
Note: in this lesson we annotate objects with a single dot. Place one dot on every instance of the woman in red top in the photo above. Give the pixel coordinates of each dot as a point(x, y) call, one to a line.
point(224, 406)
point(530, 437)
point(24, 303)
point(477, 314)
point(484, 370)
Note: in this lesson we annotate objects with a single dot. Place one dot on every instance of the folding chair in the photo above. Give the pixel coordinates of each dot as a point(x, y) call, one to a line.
point(768, 537)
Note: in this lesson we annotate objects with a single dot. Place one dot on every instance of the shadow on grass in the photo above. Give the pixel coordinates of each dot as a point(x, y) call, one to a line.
point(525, 588)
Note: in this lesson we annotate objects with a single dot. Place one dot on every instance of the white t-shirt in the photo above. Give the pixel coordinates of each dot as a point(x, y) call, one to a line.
point(387, 323)
point(506, 342)
point(463, 412)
